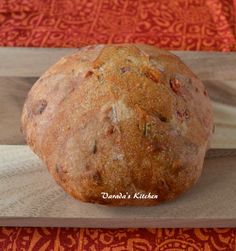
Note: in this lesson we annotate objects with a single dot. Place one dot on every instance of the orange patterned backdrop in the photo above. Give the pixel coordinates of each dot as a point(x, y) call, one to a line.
point(21, 239)
point(171, 24)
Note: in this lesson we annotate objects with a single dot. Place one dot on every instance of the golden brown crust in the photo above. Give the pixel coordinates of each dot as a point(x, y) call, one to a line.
point(120, 119)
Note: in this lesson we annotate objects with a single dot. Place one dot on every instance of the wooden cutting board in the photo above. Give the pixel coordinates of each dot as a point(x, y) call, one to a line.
point(30, 197)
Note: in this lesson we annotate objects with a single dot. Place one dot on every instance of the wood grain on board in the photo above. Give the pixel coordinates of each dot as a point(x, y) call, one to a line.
point(20, 67)
point(13, 91)
point(30, 197)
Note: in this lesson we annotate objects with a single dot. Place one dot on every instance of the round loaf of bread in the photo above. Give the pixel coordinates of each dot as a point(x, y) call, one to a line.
point(120, 124)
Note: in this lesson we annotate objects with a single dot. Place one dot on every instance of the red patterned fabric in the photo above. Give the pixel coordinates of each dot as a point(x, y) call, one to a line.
point(171, 24)
point(32, 239)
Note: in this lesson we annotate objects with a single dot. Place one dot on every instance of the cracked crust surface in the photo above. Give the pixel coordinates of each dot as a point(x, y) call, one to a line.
point(120, 119)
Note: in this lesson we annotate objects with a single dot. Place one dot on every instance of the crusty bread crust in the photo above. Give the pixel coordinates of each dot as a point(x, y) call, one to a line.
point(120, 119)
